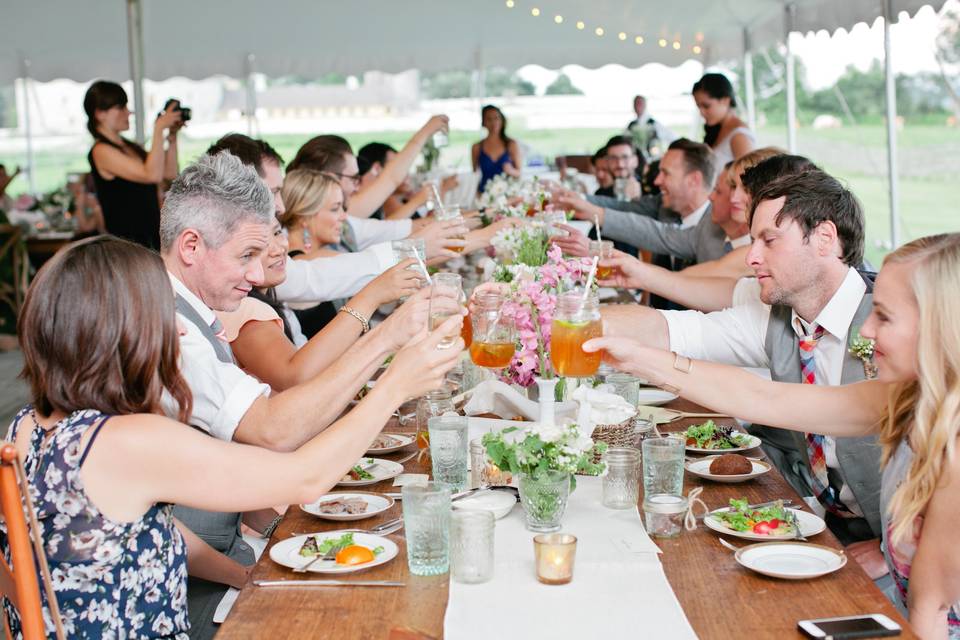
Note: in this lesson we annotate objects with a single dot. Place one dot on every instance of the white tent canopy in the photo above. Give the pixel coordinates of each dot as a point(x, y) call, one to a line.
point(86, 40)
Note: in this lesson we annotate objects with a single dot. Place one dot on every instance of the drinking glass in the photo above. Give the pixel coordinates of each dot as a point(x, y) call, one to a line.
point(494, 335)
point(411, 248)
point(436, 403)
point(449, 451)
point(620, 189)
point(602, 249)
point(626, 386)
point(426, 520)
point(451, 213)
point(446, 300)
point(574, 322)
point(621, 483)
point(643, 428)
point(553, 218)
point(663, 466)
point(471, 546)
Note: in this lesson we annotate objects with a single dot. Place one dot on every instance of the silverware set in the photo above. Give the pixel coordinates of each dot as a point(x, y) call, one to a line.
point(328, 583)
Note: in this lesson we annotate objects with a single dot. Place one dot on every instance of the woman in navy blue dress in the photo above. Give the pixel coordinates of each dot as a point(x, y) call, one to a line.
point(497, 153)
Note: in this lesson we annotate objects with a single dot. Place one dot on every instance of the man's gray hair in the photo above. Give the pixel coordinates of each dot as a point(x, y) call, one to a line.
point(214, 195)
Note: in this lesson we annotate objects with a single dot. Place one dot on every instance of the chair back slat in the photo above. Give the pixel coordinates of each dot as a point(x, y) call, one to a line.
point(26, 585)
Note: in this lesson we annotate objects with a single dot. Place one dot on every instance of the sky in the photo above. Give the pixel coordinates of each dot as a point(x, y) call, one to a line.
point(824, 56)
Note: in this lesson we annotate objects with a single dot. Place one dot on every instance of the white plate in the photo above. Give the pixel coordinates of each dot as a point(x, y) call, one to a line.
point(381, 470)
point(404, 438)
point(499, 503)
point(287, 552)
point(753, 444)
point(701, 469)
point(810, 525)
point(376, 504)
point(655, 397)
point(791, 560)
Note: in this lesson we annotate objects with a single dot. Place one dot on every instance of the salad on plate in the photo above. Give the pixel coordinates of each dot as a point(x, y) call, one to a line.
point(773, 520)
point(710, 435)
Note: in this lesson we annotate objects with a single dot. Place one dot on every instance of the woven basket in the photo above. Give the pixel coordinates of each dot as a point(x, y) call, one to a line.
point(615, 435)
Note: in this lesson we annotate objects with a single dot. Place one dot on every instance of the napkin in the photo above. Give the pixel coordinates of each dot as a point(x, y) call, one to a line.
point(499, 398)
point(598, 406)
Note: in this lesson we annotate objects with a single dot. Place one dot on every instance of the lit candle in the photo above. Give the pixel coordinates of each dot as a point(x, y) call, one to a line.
point(554, 555)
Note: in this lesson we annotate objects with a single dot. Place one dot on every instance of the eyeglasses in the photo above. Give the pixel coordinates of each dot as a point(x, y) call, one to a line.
point(620, 158)
point(355, 177)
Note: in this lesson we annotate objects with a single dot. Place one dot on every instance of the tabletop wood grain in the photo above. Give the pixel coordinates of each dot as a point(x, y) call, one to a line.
point(720, 598)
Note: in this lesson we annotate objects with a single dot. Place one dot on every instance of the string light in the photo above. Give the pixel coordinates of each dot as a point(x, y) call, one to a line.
point(697, 49)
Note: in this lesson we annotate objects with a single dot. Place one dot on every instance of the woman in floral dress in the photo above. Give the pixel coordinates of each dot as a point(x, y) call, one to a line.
point(100, 345)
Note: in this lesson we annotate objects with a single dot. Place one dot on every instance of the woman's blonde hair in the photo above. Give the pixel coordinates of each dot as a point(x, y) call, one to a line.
point(926, 411)
point(750, 160)
point(303, 193)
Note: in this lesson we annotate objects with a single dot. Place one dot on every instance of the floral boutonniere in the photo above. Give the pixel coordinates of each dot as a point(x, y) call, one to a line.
point(862, 348)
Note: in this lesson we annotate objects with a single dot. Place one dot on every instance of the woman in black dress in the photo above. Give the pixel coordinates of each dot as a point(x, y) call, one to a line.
point(125, 174)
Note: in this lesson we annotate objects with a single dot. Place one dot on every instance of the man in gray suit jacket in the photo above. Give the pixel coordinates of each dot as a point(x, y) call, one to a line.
point(686, 181)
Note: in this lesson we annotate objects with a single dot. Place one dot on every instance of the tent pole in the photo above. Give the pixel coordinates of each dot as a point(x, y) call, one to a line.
point(28, 124)
point(791, 80)
point(891, 104)
point(748, 81)
point(135, 48)
point(251, 107)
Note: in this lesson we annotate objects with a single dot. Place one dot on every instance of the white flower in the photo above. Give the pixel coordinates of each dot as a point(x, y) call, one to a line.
point(512, 438)
point(549, 433)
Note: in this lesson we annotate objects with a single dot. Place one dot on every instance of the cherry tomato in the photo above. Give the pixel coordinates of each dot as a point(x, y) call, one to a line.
point(774, 524)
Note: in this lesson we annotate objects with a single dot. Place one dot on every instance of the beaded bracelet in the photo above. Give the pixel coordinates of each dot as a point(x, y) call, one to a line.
point(359, 316)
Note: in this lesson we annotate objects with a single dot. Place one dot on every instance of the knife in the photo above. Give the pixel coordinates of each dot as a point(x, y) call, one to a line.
point(328, 583)
point(785, 503)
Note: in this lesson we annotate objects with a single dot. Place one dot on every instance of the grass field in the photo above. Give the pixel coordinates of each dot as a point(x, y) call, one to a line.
point(929, 166)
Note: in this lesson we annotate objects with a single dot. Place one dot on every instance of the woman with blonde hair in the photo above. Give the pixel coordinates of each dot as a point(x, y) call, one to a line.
point(914, 405)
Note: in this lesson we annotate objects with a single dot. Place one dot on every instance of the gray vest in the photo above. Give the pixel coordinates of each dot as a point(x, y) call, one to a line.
point(220, 530)
point(859, 458)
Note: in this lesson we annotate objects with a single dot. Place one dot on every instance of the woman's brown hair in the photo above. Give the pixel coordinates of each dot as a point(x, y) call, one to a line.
point(98, 331)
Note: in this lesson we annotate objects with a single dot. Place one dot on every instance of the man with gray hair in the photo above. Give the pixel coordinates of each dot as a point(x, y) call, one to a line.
point(214, 225)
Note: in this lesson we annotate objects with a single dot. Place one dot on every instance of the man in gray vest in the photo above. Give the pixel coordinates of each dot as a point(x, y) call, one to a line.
point(214, 225)
point(810, 301)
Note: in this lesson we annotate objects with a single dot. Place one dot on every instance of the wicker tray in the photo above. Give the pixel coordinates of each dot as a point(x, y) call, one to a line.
point(615, 435)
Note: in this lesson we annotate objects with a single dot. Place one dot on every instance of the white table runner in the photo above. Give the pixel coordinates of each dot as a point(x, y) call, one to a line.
point(618, 583)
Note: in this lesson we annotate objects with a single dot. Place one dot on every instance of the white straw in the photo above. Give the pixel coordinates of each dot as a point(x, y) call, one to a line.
point(593, 272)
point(416, 254)
point(596, 223)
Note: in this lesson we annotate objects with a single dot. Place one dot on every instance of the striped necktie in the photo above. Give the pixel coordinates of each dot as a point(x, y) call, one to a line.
point(826, 494)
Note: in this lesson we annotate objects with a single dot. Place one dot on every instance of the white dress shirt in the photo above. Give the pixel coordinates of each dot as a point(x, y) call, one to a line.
point(737, 335)
point(370, 231)
point(743, 241)
point(222, 392)
point(693, 219)
point(333, 277)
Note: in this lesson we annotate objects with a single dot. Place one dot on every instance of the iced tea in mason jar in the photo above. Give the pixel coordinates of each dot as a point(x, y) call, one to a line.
point(494, 339)
point(575, 321)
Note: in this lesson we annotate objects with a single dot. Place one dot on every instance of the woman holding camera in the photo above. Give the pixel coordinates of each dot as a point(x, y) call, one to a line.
point(125, 174)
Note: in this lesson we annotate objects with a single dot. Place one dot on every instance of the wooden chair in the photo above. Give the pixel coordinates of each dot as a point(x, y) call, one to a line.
point(20, 584)
point(11, 244)
point(579, 162)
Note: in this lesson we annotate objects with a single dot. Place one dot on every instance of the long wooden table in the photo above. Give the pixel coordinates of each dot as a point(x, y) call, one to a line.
point(720, 598)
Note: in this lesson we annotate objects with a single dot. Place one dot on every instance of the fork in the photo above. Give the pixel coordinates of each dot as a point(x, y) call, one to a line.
point(329, 555)
point(407, 458)
point(793, 520)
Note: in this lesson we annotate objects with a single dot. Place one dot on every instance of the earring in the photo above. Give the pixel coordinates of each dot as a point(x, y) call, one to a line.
point(307, 239)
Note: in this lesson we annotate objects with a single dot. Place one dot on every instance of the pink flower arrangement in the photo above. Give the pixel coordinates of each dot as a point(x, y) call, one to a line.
point(532, 306)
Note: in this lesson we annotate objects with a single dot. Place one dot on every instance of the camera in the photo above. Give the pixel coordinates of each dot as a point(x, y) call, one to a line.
point(185, 112)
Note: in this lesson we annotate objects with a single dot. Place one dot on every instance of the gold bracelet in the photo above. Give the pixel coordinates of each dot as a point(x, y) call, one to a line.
point(680, 366)
point(359, 316)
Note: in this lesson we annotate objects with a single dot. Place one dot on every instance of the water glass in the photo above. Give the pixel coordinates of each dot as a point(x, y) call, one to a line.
point(663, 466)
point(471, 546)
point(621, 483)
point(426, 520)
point(626, 386)
point(411, 248)
point(643, 428)
point(620, 189)
point(438, 402)
point(553, 218)
point(446, 299)
point(449, 451)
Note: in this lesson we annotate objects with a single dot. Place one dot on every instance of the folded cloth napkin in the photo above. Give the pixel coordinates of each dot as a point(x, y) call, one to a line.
point(599, 406)
point(499, 398)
